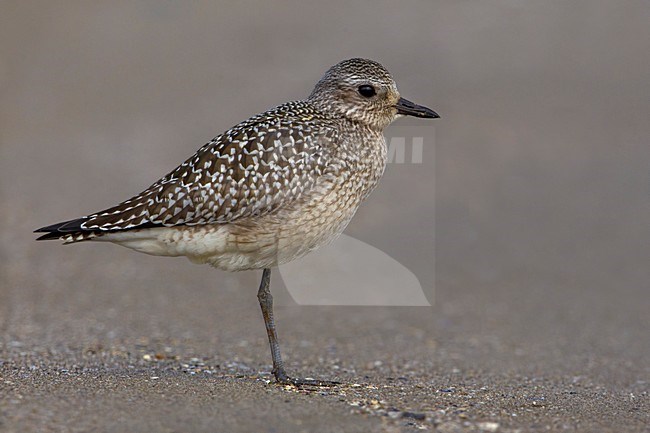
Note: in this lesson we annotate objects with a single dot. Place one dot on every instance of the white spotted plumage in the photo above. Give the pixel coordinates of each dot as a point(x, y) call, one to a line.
point(266, 191)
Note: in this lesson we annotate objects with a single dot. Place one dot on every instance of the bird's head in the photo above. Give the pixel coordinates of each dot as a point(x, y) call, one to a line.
point(364, 91)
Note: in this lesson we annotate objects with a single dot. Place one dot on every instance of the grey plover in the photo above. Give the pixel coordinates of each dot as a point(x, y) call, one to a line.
point(267, 191)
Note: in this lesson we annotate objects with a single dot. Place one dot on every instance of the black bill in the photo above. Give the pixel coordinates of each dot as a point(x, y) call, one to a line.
point(408, 108)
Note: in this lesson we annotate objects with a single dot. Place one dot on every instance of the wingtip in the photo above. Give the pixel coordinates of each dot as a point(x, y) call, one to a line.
point(64, 226)
point(48, 236)
point(56, 231)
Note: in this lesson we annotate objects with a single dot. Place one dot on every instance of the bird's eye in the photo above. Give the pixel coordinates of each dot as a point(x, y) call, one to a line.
point(367, 91)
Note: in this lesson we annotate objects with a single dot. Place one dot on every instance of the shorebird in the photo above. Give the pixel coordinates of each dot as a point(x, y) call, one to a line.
point(267, 191)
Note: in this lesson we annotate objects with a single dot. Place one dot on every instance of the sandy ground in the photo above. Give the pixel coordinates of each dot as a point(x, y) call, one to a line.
point(533, 212)
point(128, 348)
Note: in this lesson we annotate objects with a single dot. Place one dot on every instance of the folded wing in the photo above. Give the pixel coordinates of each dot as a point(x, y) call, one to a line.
point(250, 170)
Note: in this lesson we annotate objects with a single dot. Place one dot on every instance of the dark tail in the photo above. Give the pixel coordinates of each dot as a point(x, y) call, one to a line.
point(58, 230)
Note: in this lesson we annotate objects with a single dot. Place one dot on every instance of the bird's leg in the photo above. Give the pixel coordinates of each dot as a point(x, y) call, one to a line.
point(266, 303)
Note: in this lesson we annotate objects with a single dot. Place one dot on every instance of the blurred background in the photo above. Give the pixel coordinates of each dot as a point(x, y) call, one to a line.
point(535, 205)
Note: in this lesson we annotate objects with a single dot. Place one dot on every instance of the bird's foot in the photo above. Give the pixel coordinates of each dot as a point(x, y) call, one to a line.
point(283, 379)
